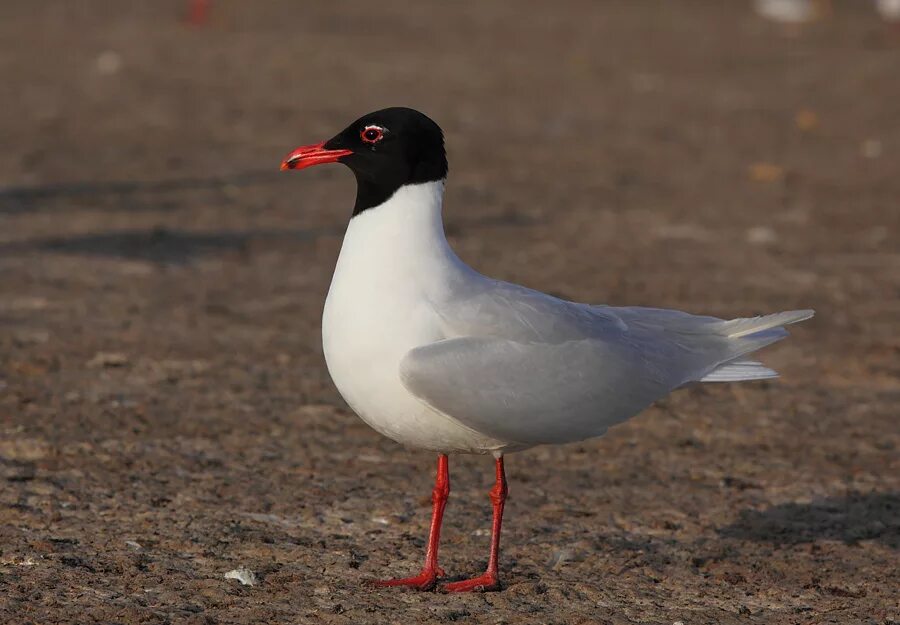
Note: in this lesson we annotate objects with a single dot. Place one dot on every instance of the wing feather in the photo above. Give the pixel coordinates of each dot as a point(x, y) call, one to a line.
point(528, 368)
point(533, 393)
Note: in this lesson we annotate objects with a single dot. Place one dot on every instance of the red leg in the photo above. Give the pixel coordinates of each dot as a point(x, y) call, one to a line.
point(490, 580)
point(430, 572)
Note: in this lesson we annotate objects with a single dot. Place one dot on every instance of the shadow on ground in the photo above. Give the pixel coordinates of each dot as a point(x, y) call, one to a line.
point(850, 519)
point(22, 199)
point(169, 246)
point(161, 245)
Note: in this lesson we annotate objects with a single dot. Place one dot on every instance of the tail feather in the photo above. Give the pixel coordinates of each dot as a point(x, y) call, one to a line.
point(750, 326)
point(748, 335)
point(738, 370)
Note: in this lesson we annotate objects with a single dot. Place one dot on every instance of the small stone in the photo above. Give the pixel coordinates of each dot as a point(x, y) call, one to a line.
point(790, 12)
point(766, 172)
point(17, 561)
point(245, 576)
point(871, 148)
point(108, 63)
point(108, 359)
point(761, 235)
point(806, 120)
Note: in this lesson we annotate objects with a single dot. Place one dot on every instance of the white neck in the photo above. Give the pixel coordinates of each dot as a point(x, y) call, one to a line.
point(412, 217)
point(402, 239)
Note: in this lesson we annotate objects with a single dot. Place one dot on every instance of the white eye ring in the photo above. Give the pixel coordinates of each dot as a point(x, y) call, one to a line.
point(372, 134)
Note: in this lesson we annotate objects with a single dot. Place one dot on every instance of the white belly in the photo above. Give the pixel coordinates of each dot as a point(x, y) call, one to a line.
point(394, 263)
point(363, 346)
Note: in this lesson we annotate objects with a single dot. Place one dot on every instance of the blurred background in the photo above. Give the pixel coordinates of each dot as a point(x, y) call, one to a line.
point(165, 412)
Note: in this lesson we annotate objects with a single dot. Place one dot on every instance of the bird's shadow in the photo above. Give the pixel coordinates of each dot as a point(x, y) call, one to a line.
point(849, 518)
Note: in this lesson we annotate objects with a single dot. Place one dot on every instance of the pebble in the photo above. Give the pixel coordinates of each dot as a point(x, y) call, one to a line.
point(245, 576)
point(870, 148)
point(766, 172)
point(108, 63)
point(761, 235)
point(108, 359)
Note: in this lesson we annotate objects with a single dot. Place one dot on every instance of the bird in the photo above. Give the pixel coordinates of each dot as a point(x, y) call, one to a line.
point(436, 356)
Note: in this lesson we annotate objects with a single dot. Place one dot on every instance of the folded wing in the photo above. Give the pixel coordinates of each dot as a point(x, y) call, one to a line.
point(528, 368)
point(534, 393)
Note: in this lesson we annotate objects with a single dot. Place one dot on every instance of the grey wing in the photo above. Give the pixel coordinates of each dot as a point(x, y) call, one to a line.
point(500, 309)
point(534, 393)
point(525, 367)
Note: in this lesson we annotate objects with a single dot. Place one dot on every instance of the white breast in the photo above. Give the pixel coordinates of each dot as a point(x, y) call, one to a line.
point(395, 266)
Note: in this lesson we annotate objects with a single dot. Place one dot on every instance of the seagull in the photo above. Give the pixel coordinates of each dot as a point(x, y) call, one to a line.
point(437, 356)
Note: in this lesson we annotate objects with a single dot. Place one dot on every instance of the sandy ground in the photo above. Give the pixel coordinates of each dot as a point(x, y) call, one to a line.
point(165, 412)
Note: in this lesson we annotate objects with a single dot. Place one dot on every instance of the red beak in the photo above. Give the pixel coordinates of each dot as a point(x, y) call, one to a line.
point(309, 155)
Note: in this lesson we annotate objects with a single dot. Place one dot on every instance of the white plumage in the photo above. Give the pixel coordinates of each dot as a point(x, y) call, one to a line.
point(435, 355)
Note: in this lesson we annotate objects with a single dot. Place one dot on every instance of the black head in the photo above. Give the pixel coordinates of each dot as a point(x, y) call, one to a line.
point(386, 150)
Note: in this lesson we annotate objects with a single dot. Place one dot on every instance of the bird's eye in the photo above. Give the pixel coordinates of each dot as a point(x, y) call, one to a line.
point(372, 134)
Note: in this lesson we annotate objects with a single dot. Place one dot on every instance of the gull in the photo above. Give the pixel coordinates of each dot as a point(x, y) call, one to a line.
point(437, 356)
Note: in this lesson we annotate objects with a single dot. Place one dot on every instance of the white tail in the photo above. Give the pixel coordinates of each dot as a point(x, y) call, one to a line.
point(749, 326)
point(751, 334)
point(740, 370)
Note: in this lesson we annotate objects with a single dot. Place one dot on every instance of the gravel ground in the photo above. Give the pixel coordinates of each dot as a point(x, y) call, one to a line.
point(165, 413)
